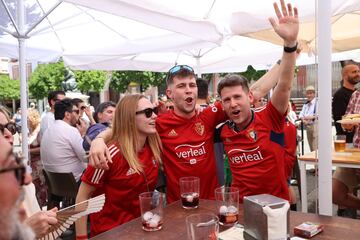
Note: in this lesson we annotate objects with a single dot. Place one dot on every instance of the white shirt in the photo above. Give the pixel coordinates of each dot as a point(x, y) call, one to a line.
point(61, 149)
point(46, 122)
point(308, 109)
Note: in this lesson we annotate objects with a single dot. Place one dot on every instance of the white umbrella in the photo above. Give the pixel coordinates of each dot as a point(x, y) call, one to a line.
point(52, 28)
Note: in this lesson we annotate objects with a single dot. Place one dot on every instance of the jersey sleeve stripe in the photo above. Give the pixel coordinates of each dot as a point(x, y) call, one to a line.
point(95, 175)
point(97, 179)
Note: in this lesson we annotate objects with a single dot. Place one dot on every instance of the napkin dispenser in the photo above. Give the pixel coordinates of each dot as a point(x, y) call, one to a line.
point(266, 217)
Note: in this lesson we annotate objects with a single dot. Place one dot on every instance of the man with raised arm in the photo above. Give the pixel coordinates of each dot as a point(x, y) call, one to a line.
point(254, 139)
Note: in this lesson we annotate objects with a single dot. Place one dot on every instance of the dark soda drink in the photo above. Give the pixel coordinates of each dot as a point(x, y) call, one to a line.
point(190, 200)
point(151, 222)
point(149, 227)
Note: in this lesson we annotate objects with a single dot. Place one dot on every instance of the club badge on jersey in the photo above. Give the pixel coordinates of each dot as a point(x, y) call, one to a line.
point(199, 128)
point(252, 134)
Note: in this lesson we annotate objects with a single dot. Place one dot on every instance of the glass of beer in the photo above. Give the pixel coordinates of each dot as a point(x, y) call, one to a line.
point(227, 201)
point(339, 143)
point(151, 206)
point(190, 192)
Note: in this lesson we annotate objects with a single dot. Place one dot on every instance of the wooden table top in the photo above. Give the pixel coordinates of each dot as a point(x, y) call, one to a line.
point(174, 228)
point(350, 156)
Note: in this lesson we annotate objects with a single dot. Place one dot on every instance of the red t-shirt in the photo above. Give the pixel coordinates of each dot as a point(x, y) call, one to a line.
point(188, 149)
point(122, 186)
point(290, 147)
point(256, 154)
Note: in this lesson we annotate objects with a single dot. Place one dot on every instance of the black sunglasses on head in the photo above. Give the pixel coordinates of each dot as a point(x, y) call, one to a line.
point(9, 126)
point(148, 112)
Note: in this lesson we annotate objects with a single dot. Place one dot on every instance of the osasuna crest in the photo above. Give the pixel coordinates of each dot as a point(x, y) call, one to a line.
point(199, 128)
point(253, 135)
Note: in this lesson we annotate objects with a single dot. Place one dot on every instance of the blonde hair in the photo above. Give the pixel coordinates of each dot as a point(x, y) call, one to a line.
point(33, 119)
point(4, 111)
point(125, 133)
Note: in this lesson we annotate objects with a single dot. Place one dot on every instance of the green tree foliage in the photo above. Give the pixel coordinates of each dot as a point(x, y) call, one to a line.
point(252, 74)
point(45, 78)
point(90, 80)
point(10, 89)
point(121, 79)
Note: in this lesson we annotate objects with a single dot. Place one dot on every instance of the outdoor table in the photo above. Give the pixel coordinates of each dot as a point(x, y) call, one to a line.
point(174, 227)
point(348, 159)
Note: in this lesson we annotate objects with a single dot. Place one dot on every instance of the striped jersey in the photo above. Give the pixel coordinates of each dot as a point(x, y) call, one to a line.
point(122, 186)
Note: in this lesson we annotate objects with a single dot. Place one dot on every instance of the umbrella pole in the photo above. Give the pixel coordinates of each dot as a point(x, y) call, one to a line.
point(324, 108)
point(23, 83)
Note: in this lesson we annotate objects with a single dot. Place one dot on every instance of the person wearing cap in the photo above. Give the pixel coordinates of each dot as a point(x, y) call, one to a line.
point(308, 117)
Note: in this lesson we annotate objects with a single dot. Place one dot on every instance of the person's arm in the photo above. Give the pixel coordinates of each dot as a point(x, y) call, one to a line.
point(99, 154)
point(76, 144)
point(84, 193)
point(287, 29)
point(262, 86)
point(89, 115)
point(41, 222)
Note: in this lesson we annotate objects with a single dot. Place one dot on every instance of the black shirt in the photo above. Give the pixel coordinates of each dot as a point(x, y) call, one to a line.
point(340, 101)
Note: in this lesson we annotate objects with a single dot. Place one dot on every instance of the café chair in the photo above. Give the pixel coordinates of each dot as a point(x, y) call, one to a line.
point(62, 187)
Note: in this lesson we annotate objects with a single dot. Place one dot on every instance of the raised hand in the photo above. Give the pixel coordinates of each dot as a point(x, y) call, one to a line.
point(287, 26)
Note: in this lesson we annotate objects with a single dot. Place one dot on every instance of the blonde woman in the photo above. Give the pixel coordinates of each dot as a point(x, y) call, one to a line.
point(135, 150)
point(35, 162)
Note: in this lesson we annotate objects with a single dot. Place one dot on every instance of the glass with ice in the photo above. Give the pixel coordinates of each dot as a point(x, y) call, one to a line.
point(151, 206)
point(227, 201)
point(189, 191)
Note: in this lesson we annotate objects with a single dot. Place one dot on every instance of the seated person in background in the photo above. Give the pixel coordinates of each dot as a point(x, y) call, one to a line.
point(135, 150)
point(61, 145)
point(103, 116)
point(85, 111)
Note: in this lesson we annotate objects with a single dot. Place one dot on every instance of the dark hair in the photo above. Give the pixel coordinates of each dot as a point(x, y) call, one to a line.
point(101, 108)
point(182, 73)
point(203, 88)
point(232, 80)
point(77, 101)
point(65, 105)
point(54, 94)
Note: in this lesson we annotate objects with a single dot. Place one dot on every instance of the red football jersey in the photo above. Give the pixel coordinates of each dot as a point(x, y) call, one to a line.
point(188, 149)
point(122, 186)
point(256, 154)
point(290, 147)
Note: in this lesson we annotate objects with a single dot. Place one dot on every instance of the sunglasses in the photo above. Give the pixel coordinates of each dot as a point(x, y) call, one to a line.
point(77, 111)
point(175, 69)
point(12, 127)
point(148, 112)
point(83, 107)
point(19, 172)
point(170, 107)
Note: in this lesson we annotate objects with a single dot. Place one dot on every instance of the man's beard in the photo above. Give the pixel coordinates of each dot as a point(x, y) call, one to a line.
point(353, 81)
point(11, 226)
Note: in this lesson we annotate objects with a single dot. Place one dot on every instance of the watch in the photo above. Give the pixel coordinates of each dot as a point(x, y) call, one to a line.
point(291, 49)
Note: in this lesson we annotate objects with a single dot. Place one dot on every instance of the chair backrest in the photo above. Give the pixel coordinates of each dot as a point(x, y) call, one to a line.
point(61, 184)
